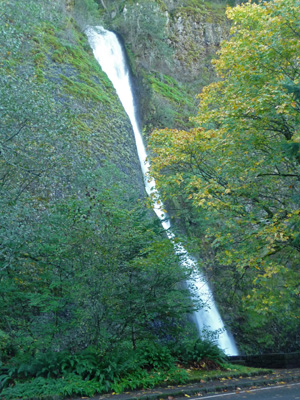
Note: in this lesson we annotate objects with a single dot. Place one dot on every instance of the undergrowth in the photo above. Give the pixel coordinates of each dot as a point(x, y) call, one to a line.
point(85, 373)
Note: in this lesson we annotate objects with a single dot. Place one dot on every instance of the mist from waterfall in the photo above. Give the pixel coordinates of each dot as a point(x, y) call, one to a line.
point(109, 53)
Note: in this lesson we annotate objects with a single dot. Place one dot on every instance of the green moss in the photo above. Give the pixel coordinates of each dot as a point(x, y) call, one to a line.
point(229, 371)
point(169, 88)
point(217, 9)
point(52, 40)
point(57, 56)
point(69, 54)
point(39, 59)
point(39, 75)
point(162, 5)
point(171, 104)
point(202, 11)
point(84, 91)
point(83, 79)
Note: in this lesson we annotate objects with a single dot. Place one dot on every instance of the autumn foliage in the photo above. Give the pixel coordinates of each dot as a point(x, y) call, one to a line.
point(239, 171)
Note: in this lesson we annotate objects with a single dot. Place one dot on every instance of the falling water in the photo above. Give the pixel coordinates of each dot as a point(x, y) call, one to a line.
point(108, 52)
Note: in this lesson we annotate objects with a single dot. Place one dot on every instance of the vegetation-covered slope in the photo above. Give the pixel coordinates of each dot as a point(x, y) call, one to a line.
point(88, 282)
point(170, 45)
point(82, 261)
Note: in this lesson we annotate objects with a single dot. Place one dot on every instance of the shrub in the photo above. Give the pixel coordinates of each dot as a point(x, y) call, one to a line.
point(199, 353)
point(155, 356)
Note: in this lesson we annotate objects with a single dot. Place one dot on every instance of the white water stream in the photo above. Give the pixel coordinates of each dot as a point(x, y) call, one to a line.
point(108, 52)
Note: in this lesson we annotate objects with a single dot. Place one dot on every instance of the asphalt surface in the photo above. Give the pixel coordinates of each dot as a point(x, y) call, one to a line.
point(285, 381)
point(278, 392)
point(284, 392)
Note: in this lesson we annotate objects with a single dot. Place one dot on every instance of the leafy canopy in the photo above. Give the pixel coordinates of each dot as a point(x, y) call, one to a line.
point(239, 169)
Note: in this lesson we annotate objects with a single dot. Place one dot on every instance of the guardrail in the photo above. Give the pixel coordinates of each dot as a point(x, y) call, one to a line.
point(271, 360)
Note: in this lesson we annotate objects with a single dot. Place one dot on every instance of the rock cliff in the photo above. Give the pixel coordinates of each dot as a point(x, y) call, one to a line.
point(170, 45)
point(195, 37)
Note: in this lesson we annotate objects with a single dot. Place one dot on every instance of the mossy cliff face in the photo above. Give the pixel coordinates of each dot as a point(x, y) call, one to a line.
point(170, 45)
point(45, 52)
point(196, 34)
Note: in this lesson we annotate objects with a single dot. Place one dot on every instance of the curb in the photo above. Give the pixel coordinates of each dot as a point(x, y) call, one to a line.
point(215, 388)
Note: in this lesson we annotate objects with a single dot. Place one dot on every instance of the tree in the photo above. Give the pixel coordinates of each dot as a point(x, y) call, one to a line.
point(94, 269)
point(239, 170)
point(77, 249)
point(144, 27)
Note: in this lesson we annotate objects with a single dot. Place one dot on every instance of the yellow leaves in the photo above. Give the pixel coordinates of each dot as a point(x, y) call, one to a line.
point(280, 236)
point(281, 109)
point(225, 166)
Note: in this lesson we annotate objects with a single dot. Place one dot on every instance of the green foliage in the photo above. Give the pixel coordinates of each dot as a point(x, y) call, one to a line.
point(86, 91)
point(235, 178)
point(155, 356)
point(89, 372)
point(170, 89)
point(129, 276)
point(87, 275)
point(144, 27)
point(42, 388)
point(172, 103)
point(74, 385)
point(86, 12)
point(196, 352)
point(55, 365)
point(82, 260)
point(212, 10)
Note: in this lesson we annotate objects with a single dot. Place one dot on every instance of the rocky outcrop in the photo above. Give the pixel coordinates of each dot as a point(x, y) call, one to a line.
point(195, 37)
point(172, 38)
point(170, 45)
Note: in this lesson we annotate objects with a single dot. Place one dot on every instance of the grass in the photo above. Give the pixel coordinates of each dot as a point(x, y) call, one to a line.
point(169, 88)
point(72, 384)
point(173, 101)
point(230, 371)
point(202, 11)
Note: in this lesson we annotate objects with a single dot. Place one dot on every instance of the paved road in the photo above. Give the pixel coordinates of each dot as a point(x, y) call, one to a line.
point(282, 392)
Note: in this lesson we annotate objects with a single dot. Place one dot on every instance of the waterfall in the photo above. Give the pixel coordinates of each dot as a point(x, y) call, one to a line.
point(108, 52)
